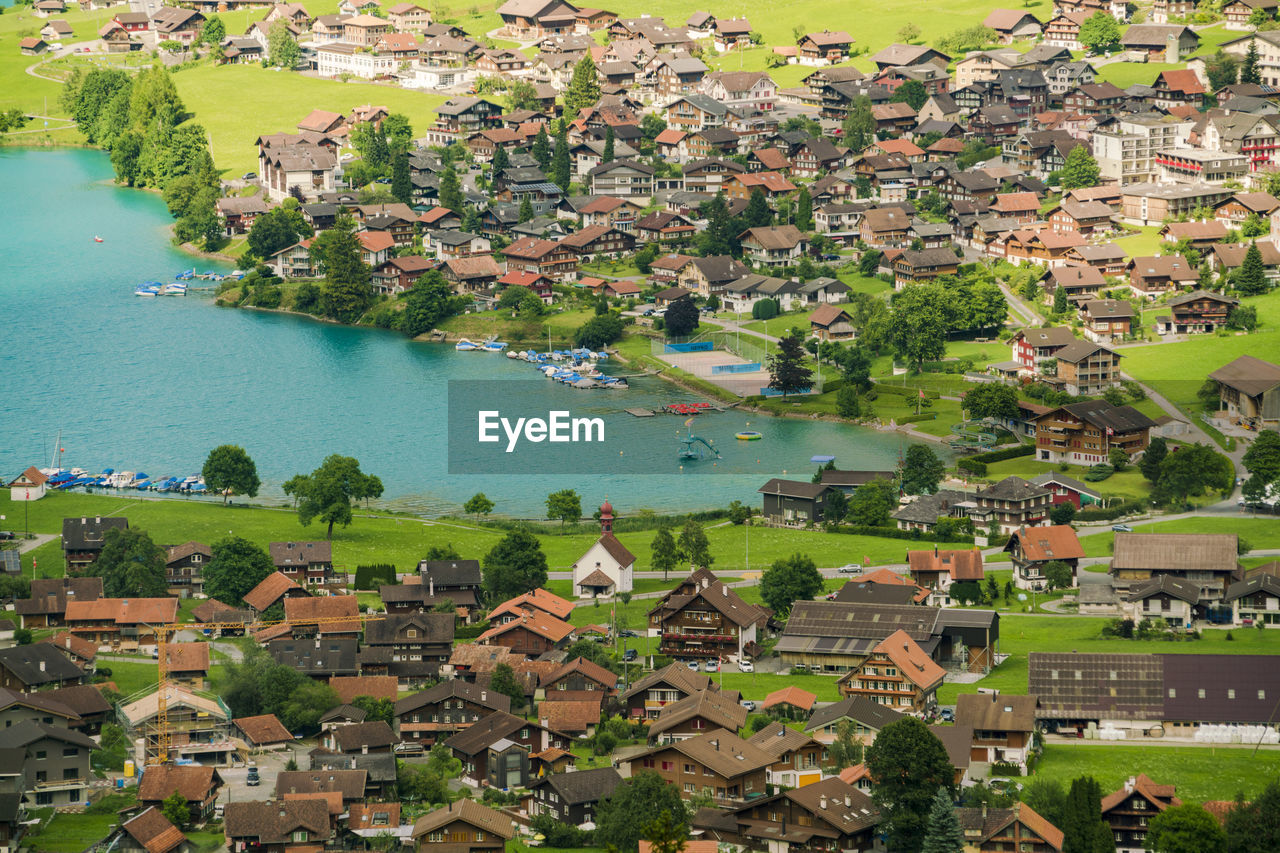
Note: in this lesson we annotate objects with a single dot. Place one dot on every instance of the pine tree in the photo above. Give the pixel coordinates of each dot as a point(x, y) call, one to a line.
point(541, 150)
point(607, 156)
point(584, 88)
point(1060, 300)
point(758, 213)
point(1251, 278)
point(450, 190)
point(560, 161)
point(1249, 72)
point(526, 208)
point(804, 210)
point(401, 184)
point(500, 161)
point(942, 833)
point(787, 371)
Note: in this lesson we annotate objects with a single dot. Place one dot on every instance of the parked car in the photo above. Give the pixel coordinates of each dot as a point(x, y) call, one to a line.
point(848, 569)
point(8, 534)
point(253, 780)
point(630, 655)
point(711, 666)
point(250, 176)
point(746, 666)
point(748, 704)
point(1122, 528)
point(693, 665)
point(627, 632)
point(947, 715)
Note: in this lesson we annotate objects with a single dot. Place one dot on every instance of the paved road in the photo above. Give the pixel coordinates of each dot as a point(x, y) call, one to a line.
point(1027, 314)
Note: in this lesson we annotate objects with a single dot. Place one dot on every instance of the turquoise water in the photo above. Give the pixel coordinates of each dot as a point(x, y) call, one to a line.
point(153, 384)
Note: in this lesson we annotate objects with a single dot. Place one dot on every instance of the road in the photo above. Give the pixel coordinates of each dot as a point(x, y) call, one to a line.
point(1026, 314)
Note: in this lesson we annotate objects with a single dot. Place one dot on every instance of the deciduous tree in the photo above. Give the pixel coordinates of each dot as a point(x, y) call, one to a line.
point(478, 505)
point(681, 318)
point(514, 566)
point(791, 579)
point(872, 502)
point(922, 471)
point(693, 547)
point(663, 553)
point(908, 764)
point(1100, 33)
point(623, 816)
point(236, 567)
point(282, 47)
point(918, 329)
point(230, 470)
point(1187, 828)
point(991, 400)
point(130, 564)
point(1081, 170)
point(328, 492)
point(565, 505)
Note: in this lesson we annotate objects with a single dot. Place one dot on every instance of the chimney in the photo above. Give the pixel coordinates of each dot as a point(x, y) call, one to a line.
point(1130, 784)
point(984, 810)
point(68, 643)
point(431, 587)
point(935, 549)
point(484, 695)
point(545, 723)
point(822, 802)
point(97, 519)
point(84, 520)
point(705, 583)
point(848, 801)
point(42, 666)
point(282, 810)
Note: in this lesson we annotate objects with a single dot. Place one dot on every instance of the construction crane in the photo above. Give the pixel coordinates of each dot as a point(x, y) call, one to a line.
point(163, 632)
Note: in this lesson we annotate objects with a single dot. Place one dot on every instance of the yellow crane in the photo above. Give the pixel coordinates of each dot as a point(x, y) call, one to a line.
point(163, 632)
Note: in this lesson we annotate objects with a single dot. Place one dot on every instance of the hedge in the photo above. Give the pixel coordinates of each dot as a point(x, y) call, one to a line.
point(905, 391)
point(1117, 509)
point(372, 577)
point(469, 632)
point(923, 416)
point(974, 466)
point(1006, 453)
point(895, 533)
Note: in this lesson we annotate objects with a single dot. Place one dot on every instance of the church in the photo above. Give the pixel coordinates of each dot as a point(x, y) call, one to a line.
point(607, 567)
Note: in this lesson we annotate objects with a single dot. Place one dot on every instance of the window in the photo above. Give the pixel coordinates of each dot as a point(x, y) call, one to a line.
point(41, 755)
point(1200, 693)
point(72, 752)
point(300, 835)
point(479, 836)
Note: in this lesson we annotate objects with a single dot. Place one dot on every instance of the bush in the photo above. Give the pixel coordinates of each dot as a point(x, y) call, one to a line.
point(1098, 473)
point(372, 577)
point(895, 533)
point(973, 466)
point(1115, 510)
point(1005, 453)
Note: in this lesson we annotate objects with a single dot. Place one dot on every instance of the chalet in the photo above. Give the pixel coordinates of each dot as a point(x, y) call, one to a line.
point(1087, 218)
point(773, 184)
point(83, 539)
point(898, 55)
point(1255, 601)
point(897, 673)
point(306, 563)
point(537, 600)
point(1085, 433)
point(863, 716)
point(742, 90)
point(441, 711)
point(1033, 348)
point(1249, 389)
point(598, 241)
point(1235, 211)
point(1032, 548)
point(937, 570)
point(552, 259)
point(1129, 810)
point(704, 618)
point(496, 749)
point(1085, 368)
point(704, 711)
point(1208, 560)
point(197, 785)
point(1106, 320)
point(711, 275)
point(319, 659)
point(1161, 43)
point(1003, 727)
point(1108, 258)
point(1200, 311)
point(837, 809)
point(263, 732)
point(120, 622)
point(774, 246)
point(37, 666)
point(719, 763)
point(988, 830)
point(572, 798)
point(533, 634)
point(914, 266)
point(645, 699)
point(277, 827)
point(171, 23)
point(52, 761)
point(1009, 504)
point(664, 228)
point(1165, 599)
point(1013, 25)
point(417, 644)
point(273, 588)
point(47, 606)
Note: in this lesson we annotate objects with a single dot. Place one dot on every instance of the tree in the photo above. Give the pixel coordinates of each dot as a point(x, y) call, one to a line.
point(236, 567)
point(693, 547)
point(758, 213)
point(328, 492)
point(1046, 797)
point(846, 750)
point(1057, 574)
point(347, 291)
point(1082, 826)
point(1152, 458)
point(921, 471)
point(501, 161)
point(942, 833)
point(662, 550)
point(804, 210)
point(1253, 827)
point(175, 809)
point(791, 579)
point(860, 125)
point(1262, 461)
point(212, 31)
point(401, 185)
point(1081, 170)
point(1249, 71)
point(681, 318)
point(1060, 303)
point(1062, 513)
point(1251, 278)
point(908, 764)
point(274, 230)
point(787, 371)
point(1187, 828)
point(560, 174)
point(584, 87)
point(526, 208)
point(1222, 69)
point(847, 405)
point(429, 301)
point(1243, 317)
point(872, 502)
point(623, 817)
point(541, 150)
point(450, 190)
point(607, 155)
point(667, 834)
point(229, 470)
point(130, 564)
point(376, 709)
point(282, 47)
point(991, 401)
point(598, 332)
point(504, 681)
point(564, 505)
point(908, 33)
point(478, 505)
point(912, 93)
point(514, 566)
point(1193, 470)
point(1099, 33)
point(918, 331)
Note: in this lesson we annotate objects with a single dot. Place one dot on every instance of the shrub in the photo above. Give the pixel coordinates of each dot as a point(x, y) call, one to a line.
point(372, 577)
point(1005, 453)
point(1098, 473)
point(973, 466)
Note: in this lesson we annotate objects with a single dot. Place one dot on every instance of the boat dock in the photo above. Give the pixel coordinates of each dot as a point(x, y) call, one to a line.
point(682, 409)
point(640, 413)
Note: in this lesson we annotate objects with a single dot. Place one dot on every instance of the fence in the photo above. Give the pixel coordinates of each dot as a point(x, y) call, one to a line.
point(749, 367)
point(691, 346)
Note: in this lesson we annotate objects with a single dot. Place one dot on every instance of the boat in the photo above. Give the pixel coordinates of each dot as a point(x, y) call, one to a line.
point(465, 345)
point(186, 275)
point(493, 346)
point(748, 435)
point(120, 479)
point(513, 354)
point(174, 289)
point(97, 239)
point(150, 289)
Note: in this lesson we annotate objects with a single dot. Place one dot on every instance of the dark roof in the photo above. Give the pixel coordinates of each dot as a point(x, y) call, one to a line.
point(1255, 583)
point(326, 656)
point(39, 664)
point(468, 811)
point(1184, 590)
point(1247, 374)
point(350, 782)
point(582, 786)
point(454, 689)
point(1012, 488)
point(263, 729)
point(794, 488)
point(996, 712)
point(192, 781)
point(926, 508)
point(450, 573)
point(435, 627)
point(28, 732)
point(88, 534)
point(373, 735)
point(859, 708)
point(676, 675)
point(867, 592)
point(480, 735)
point(300, 553)
point(83, 699)
point(43, 702)
point(153, 831)
point(275, 822)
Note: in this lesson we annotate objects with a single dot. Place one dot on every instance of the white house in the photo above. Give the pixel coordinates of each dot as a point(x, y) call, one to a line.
point(29, 485)
point(607, 567)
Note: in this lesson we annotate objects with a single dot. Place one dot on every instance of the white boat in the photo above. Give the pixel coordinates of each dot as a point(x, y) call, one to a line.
point(493, 346)
point(465, 345)
point(176, 288)
point(512, 354)
point(120, 479)
point(147, 290)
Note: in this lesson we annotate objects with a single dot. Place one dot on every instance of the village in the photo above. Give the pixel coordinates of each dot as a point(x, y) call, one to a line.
point(1039, 250)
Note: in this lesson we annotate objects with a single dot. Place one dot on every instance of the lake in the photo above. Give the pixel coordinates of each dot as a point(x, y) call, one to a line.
point(154, 384)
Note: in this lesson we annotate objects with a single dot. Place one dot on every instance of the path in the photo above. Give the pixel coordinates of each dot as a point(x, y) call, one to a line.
point(1017, 305)
point(735, 325)
point(38, 539)
point(1197, 433)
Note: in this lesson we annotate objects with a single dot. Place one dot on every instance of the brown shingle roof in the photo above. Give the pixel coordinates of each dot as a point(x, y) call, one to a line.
point(911, 660)
point(264, 729)
point(793, 695)
point(538, 598)
point(300, 553)
point(268, 592)
point(153, 831)
point(468, 811)
point(960, 564)
point(570, 715)
point(1057, 542)
point(192, 781)
point(722, 751)
point(715, 707)
point(996, 712)
point(1175, 551)
point(348, 687)
point(275, 822)
point(350, 782)
point(313, 608)
point(187, 657)
point(373, 735)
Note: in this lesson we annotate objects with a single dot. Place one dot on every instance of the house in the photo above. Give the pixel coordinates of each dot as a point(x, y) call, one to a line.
point(47, 606)
point(150, 831)
point(791, 502)
point(990, 830)
point(361, 738)
point(36, 666)
point(899, 55)
point(1031, 549)
point(186, 663)
point(1255, 600)
point(1166, 599)
point(1085, 368)
point(1249, 389)
point(285, 826)
point(914, 266)
point(1197, 312)
point(572, 798)
point(1034, 348)
point(706, 710)
point(1128, 811)
point(1003, 727)
point(289, 163)
point(1206, 559)
point(497, 749)
point(532, 633)
point(598, 241)
point(923, 512)
point(622, 179)
point(263, 732)
point(709, 276)
point(314, 615)
point(305, 563)
point(897, 673)
point(197, 785)
point(124, 623)
point(837, 809)
point(1150, 276)
point(824, 48)
point(182, 568)
point(608, 566)
point(416, 645)
point(718, 764)
point(542, 257)
point(647, 697)
point(1009, 504)
point(1084, 433)
point(537, 600)
point(30, 485)
point(319, 659)
point(54, 762)
point(83, 539)
point(790, 702)
point(862, 715)
point(937, 570)
point(742, 90)
point(1106, 321)
point(774, 246)
point(1161, 43)
point(1012, 24)
point(704, 618)
point(447, 708)
point(350, 687)
point(171, 23)
point(273, 588)
point(465, 826)
point(798, 759)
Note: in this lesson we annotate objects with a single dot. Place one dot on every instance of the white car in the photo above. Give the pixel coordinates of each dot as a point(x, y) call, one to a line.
point(746, 666)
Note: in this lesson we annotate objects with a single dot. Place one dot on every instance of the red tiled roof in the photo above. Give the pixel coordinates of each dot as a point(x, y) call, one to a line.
point(537, 621)
point(801, 699)
point(961, 564)
point(912, 661)
point(264, 729)
point(269, 591)
point(349, 687)
point(311, 609)
point(187, 657)
point(539, 598)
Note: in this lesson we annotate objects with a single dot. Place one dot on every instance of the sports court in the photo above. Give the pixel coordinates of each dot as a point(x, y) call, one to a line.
point(704, 366)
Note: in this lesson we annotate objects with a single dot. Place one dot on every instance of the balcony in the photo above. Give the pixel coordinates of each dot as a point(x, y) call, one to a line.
point(59, 784)
point(714, 638)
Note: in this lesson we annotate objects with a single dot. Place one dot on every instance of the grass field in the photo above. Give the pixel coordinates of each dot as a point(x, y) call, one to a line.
point(485, 323)
point(1128, 483)
point(72, 833)
point(1260, 533)
point(1200, 773)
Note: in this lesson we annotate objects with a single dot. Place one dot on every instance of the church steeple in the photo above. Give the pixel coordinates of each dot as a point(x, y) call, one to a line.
point(606, 517)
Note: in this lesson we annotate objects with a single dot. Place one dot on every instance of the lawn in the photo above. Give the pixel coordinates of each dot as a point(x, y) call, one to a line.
point(1128, 484)
point(1144, 241)
point(858, 282)
point(758, 685)
point(72, 833)
point(1021, 635)
point(513, 330)
point(1201, 773)
point(130, 678)
point(1260, 533)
